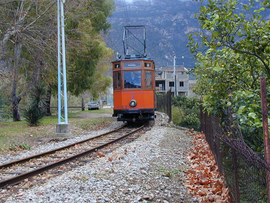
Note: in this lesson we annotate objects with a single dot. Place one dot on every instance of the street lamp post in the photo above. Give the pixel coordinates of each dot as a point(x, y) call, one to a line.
point(175, 84)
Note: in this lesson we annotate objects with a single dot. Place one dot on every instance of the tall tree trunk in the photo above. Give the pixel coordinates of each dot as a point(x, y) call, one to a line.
point(16, 99)
point(48, 102)
point(82, 101)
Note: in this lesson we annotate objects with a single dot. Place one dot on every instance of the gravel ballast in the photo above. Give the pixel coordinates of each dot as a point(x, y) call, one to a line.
point(151, 168)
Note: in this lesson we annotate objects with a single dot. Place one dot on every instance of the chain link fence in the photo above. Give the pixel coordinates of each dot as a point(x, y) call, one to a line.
point(244, 170)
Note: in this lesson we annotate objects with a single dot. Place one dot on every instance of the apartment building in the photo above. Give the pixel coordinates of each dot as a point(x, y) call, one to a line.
point(165, 79)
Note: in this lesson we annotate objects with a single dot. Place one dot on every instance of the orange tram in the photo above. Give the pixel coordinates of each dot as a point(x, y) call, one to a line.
point(134, 89)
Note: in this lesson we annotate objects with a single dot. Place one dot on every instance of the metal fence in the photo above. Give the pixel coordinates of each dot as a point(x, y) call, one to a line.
point(163, 103)
point(244, 170)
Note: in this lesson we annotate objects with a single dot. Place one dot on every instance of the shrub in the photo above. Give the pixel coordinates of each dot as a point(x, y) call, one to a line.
point(35, 111)
point(185, 112)
point(177, 114)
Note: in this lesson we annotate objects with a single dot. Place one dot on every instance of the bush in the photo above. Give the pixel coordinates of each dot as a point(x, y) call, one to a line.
point(191, 121)
point(177, 114)
point(36, 109)
point(186, 112)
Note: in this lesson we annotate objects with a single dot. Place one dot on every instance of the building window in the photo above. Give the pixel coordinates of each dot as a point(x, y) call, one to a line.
point(160, 85)
point(159, 75)
point(171, 84)
point(181, 84)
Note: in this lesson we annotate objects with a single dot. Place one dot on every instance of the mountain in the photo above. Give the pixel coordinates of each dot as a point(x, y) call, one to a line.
point(168, 22)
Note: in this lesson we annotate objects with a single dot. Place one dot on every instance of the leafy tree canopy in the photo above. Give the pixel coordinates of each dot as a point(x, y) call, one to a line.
point(237, 25)
point(28, 43)
point(232, 50)
point(88, 49)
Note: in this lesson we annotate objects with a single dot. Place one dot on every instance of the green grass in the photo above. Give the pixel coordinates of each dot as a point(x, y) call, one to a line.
point(168, 172)
point(20, 136)
point(100, 111)
point(87, 124)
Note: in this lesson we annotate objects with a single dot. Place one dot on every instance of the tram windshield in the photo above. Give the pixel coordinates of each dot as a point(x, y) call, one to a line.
point(132, 79)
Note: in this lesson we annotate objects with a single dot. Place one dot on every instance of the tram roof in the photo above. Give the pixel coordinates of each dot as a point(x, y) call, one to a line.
point(132, 59)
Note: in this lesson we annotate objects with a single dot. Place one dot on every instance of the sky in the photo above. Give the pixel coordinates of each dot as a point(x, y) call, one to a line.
point(130, 1)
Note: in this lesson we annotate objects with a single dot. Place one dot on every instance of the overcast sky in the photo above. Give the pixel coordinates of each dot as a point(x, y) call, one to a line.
point(130, 1)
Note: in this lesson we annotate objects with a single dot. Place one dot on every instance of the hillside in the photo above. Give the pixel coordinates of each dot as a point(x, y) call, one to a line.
point(167, 24)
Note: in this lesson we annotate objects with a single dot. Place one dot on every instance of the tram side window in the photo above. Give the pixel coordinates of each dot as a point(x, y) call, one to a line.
point(132, 79)
point(148, 79)
point(117, 80)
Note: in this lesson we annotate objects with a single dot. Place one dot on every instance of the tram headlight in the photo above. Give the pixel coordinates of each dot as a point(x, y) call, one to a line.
point(133, 103)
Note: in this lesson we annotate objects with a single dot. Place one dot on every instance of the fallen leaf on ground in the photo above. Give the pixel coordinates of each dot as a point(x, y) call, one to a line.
point(203, 179)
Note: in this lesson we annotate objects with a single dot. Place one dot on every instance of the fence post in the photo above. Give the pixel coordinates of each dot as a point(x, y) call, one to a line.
point(236, 176)
point(265, 133)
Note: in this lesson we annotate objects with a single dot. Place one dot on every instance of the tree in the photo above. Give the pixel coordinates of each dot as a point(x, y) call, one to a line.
point(232, 55)
point(86, 71)
point(26, 27)
point(238, 26)
point(229, 48)
point(28, 40)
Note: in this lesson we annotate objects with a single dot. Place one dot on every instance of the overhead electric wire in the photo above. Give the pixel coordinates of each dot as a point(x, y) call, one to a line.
point(126, 16)
point(126, 12)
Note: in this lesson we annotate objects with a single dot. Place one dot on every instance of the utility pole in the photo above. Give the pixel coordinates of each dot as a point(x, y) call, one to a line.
point(62, 128)
point(183, 60)
point(175, 84)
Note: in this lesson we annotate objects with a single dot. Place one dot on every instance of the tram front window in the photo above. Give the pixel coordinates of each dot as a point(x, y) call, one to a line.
point(132, 79)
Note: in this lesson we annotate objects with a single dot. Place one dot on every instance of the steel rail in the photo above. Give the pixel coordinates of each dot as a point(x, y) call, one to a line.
point(23, 176)
point(57, 149)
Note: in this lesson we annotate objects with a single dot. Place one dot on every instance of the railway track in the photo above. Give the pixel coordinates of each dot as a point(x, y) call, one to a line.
point(62, 159)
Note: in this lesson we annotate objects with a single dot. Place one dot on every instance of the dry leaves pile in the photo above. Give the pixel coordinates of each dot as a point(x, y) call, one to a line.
point(203, 179)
